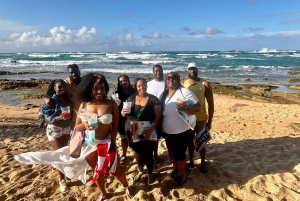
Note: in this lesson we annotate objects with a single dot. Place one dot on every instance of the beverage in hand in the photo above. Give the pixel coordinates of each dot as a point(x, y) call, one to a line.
point(66, 111)
point(67, 115)
point(127, 107)
point(93, 121)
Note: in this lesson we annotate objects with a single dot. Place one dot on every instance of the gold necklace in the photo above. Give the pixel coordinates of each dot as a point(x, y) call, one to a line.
point(140, 98)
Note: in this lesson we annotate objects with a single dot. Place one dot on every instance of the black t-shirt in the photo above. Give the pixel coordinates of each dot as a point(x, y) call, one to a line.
point(148, 112)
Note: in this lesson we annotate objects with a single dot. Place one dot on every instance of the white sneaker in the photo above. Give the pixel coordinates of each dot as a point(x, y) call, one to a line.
point(63, 185)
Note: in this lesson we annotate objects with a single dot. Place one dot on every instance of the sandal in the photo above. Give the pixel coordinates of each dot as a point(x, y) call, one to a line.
point(127, 193)
point(101, 197)
point(123, 160)
point(179, 181)
point(63, 185)
point(189, 166)
point(174, 174)
point(138, 177)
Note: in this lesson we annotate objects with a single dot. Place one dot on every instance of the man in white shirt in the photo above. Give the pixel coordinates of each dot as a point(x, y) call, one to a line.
point(156, 87)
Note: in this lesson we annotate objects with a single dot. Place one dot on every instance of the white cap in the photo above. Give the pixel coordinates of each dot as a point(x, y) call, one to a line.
point(193, 64)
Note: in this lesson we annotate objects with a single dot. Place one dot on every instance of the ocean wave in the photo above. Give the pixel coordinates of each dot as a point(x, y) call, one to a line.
point(295, 55)
point(228, 56)
point(43, 55)
point(156, 62)
point(80, 55)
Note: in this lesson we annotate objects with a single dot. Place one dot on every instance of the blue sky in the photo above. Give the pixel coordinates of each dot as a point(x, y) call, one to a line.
point(152, 25)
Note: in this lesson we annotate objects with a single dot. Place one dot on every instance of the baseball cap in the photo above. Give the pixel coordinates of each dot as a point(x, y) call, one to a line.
point(193, 64)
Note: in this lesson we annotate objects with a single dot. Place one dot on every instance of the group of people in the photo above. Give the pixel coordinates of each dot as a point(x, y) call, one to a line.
point(156, 102)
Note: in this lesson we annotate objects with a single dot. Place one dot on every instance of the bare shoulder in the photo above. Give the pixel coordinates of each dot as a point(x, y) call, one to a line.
point(112, 103)
point(206, 83)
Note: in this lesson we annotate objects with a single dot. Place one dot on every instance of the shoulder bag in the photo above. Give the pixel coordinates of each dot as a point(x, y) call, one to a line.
point(76, 141)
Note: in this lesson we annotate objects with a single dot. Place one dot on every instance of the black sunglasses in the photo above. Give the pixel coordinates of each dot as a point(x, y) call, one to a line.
point(171, 77)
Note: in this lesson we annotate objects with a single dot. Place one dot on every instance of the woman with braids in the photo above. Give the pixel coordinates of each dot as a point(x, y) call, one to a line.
point(124, 90)
point(93, 90)
point(58, 129)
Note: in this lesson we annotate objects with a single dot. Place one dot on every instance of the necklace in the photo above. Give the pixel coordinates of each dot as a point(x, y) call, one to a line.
point(140, 98)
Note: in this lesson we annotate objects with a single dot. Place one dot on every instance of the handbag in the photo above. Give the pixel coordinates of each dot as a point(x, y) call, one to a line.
point(202, 138)
point(76, 141)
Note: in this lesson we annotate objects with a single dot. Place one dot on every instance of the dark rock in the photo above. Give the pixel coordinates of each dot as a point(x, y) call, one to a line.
point(21, 84)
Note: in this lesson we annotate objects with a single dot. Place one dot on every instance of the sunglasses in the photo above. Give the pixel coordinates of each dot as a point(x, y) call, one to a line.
point(171, 77)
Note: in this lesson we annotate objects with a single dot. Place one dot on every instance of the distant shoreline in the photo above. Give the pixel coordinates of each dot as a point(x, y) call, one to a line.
point(16, 91)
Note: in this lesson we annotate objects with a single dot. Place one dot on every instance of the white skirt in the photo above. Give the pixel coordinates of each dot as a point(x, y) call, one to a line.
point(73, 168)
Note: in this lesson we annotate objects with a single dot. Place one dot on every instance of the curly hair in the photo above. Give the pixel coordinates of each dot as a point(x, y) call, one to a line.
point(50, 91)
point(119, 88)
point(84, 91)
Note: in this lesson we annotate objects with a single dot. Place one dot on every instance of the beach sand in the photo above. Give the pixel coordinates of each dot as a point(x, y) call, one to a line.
point(254, 155)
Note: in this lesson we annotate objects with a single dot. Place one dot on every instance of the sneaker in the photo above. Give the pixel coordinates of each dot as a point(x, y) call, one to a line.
point(63, 185)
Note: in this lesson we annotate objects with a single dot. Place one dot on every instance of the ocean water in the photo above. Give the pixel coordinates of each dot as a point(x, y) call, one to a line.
point(229, 68)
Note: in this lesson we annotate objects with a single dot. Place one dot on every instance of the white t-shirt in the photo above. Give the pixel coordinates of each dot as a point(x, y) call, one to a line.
point(155, 88)
point(172, 122)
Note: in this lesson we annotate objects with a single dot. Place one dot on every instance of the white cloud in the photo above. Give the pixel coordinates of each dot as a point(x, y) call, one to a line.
point(84, 39)
point(129, 37)
point(154, 35)
point(251, 29)
point(57, 36)
point(208, 31)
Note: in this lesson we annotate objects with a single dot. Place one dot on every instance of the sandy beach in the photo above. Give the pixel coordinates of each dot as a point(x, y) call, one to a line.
point(254, 155)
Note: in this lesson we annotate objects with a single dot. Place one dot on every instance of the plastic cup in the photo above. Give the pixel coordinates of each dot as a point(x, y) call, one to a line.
point(127, 107)
point(93, 120)
point(66, 110)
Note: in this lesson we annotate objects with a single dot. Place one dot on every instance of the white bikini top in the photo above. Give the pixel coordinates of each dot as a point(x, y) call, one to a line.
point(105, 119)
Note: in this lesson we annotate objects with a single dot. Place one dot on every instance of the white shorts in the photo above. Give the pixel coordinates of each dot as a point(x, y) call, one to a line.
point(54, 132)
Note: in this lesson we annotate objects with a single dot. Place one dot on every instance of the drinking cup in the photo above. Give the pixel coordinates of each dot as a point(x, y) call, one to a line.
point(127, 107)
point(66, 111)
point(93, 121)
